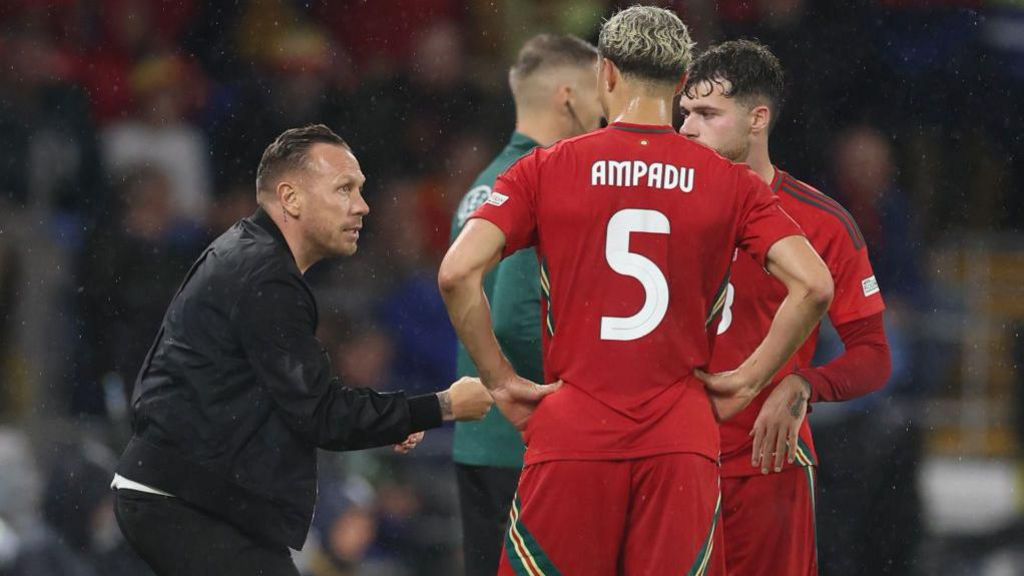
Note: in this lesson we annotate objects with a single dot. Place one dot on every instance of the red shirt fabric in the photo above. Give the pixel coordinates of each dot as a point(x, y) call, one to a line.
point(635, 227)
point(863, 368)
point(753, 297)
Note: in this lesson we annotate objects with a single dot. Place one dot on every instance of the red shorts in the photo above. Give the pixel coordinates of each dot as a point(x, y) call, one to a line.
point(769, 524)
point(643, 517)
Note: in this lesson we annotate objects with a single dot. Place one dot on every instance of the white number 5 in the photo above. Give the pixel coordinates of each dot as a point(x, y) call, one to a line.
point(622, 224)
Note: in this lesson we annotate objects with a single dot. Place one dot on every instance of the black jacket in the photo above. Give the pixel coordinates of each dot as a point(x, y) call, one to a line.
point(236, 394)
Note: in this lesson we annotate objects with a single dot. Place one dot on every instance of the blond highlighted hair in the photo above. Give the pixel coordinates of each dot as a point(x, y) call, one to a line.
point(648, 43)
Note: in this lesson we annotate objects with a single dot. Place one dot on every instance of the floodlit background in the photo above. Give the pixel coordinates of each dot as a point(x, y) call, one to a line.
point(130, 131)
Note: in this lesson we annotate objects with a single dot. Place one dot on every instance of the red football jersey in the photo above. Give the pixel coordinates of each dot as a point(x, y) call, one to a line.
point(753, 297)
point(635, 228)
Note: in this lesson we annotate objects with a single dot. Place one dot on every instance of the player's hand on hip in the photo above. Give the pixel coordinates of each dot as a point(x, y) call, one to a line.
point(730, 392)
point(518, 397)
point(409, 443)
point(465, 400)
point(776, 431)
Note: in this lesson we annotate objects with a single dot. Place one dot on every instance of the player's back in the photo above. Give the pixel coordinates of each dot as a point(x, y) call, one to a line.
point(635, 228)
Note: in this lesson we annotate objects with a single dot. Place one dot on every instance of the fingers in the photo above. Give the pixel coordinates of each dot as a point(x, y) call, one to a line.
point(791, 443)
point(722, 383)
point(719, 408)
point(759, 433)
point(766, 453)
point(714, 383)
point(411, 442)
point(524, 390)
point(781, 435)
point(543, 390)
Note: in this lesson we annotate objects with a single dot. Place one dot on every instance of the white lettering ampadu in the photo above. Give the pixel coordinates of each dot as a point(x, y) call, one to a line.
point(635, 173)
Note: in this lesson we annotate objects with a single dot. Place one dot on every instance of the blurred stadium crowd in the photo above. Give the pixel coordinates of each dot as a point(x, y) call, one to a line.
point(130, 131)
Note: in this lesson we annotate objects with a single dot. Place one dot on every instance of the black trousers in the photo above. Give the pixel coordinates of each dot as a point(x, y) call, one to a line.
point(485, 497)
point(868, 510)
point(176, 539)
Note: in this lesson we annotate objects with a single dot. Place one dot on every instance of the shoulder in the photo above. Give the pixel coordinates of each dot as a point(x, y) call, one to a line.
point(255, 257)
point(482, 187)
point(568, 149)
point(472, 200)
point(822, 217)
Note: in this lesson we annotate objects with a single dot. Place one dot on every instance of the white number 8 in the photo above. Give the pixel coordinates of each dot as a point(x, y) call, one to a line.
point(726, 321)
point(622, 224)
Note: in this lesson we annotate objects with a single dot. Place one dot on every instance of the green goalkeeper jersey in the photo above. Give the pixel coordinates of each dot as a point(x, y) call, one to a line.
point(513, 290)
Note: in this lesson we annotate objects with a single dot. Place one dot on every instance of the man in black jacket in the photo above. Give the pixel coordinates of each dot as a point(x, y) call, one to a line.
point(236, 394)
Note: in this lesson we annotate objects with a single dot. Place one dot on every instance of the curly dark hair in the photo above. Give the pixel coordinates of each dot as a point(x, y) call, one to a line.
point(745, 69)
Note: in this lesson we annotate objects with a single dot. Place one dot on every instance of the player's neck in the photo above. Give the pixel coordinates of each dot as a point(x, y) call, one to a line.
point(760, 162)
point(545, 130)
point(303, 254)
point(641, 109)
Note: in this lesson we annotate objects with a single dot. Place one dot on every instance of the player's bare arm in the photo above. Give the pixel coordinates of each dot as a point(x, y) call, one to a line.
point(474, 253)
point(809, 285)
point(863, 368)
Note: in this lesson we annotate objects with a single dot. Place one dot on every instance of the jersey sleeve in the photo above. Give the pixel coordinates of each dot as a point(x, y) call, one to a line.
point(763, 222)
point(276, 319)
point(512, 204)
point(864, 367)
point(857, 294)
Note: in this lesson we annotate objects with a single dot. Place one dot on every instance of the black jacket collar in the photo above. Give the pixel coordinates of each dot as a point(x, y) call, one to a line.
point(261, 218)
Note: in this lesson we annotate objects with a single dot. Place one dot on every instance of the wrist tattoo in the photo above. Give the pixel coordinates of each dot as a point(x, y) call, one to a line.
point(444, 398)
point(797, 407)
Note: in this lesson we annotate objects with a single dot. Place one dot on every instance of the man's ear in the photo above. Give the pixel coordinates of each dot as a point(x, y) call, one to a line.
point(563, 95)
point(290, 199)
point(762, 118)
point(609, 75)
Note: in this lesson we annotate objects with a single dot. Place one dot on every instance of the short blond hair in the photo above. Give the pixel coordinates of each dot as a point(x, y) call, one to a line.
point(648, 43)
point(546, 53)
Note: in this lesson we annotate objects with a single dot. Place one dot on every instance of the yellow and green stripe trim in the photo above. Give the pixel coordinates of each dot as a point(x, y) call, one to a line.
point(809, 471)
point(804, 456)
point(700, 565)
point(545, 288)
point(811, 486)
point(524, 553)
point(719, 301)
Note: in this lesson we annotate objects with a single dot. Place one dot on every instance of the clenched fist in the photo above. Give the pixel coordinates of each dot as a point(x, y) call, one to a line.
point(465, 400)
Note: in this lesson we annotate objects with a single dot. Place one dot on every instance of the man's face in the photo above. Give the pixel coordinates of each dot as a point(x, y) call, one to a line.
point(586, 103)
point(333, 207)
point(716, 121)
